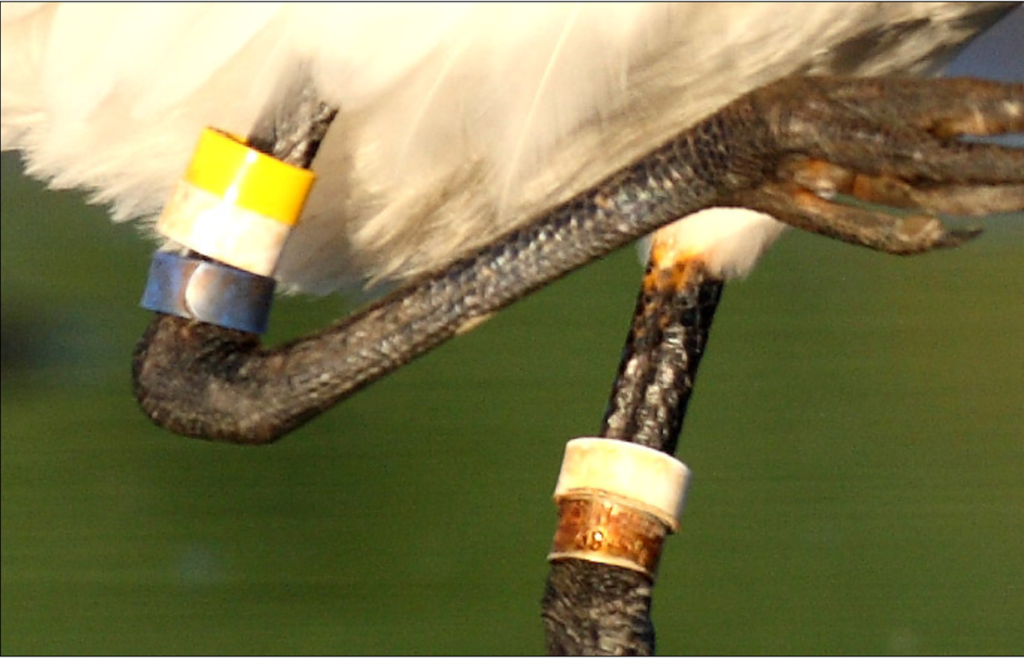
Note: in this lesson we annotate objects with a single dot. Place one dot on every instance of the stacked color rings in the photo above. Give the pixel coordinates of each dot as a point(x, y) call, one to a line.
point(236, 206)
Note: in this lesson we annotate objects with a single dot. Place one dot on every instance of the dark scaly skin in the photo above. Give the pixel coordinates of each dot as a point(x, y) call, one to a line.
point(210, 382)
point(659, 364)
point(592, 609)
point(598, 609)
point(215, 383)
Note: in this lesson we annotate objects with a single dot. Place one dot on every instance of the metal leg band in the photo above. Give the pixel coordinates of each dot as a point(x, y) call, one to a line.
point(610, 532)
point(208, 291)
point(616, 503)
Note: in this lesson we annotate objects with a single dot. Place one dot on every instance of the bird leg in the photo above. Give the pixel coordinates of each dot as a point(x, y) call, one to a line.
point(666, 341)
point(292, 129)
point(592, 608)
point(595, 608)
point(207, 381)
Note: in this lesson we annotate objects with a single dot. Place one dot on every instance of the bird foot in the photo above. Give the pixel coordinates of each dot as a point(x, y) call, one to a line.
point(896, 143)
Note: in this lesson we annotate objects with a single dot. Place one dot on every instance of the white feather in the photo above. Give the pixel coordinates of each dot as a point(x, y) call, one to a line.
point(457, 121)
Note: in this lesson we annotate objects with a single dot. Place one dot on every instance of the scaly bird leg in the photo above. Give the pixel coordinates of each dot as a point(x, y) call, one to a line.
point(595, 608)
point(207, 381)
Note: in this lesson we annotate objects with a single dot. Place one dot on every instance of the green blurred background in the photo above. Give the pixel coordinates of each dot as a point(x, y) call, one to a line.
point(856, 439)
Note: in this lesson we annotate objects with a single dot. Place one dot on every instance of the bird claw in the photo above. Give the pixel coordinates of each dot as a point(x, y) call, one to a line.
point(895, 143)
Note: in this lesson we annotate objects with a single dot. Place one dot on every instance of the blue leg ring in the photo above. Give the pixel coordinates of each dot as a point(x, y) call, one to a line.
point(208, 291)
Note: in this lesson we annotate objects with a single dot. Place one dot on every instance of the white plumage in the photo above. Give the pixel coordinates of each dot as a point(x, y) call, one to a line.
point(457, 122)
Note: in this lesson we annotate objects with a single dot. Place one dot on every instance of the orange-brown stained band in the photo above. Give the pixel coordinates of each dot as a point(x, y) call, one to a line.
point(600, 529)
